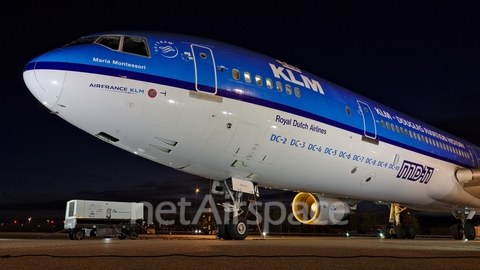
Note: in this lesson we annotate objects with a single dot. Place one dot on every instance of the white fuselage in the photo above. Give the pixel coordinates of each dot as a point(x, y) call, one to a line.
point(218, 138)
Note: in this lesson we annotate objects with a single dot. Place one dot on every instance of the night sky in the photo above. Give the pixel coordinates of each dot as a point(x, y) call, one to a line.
point(418, 57)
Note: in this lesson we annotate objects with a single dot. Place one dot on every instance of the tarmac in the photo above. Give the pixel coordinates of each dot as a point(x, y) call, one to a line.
point(39, 251)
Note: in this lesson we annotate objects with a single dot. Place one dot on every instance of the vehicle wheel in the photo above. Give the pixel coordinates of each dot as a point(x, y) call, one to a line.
point(238, 228)
point(223, 232)
point(70, 235)
point(386, 231)
point(456, 231)
point(133, 235)
point(411, 233)
point(400, 232)
point(122, 236)
point(78, 234)
point(469, 231)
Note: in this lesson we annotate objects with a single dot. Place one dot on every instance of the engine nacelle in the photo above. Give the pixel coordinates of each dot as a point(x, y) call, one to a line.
point(466, 175)
point(310, 208)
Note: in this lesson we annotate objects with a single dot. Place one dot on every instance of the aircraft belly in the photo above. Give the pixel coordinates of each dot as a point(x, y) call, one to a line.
point(338, 163)
point(345, 179)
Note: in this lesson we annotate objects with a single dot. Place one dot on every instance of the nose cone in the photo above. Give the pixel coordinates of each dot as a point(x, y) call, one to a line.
point(44, 76)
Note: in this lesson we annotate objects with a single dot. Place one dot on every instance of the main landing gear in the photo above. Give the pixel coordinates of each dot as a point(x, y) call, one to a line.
point(467, 230)
point(236, 226)
point(395, 229)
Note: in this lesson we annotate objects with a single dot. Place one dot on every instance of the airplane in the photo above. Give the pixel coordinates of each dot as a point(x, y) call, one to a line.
point(245, 120)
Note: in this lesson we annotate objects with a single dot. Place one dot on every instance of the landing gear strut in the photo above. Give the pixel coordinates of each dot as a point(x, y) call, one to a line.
point(395, 229)
point(467, 230)
point(236, 227)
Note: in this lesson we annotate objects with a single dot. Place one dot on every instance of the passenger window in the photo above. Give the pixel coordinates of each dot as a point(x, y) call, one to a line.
point(247, 77)
point(279, 87)
point(383, 123)
point(288, 89)
point(297, 92)
point(111, 42)
point(388, 125)
point(269, 83)
point(236, 74)
point(135, 45)
point(258, 80)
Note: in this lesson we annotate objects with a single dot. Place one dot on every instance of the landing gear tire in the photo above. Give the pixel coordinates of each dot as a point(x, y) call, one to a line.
point(400, 232)
point(78, 234)
point(386, 231)
point(410, 232)
point(223, 232)
point(469, 231)
point(238, 228)
point(456, 231)
point(133, 235)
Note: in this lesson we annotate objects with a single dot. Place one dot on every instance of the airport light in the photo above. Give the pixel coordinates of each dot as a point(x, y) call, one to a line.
point(29, 219)
point(197, 190)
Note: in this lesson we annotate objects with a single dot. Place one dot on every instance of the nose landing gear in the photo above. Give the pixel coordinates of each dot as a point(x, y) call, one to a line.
point(236, 227)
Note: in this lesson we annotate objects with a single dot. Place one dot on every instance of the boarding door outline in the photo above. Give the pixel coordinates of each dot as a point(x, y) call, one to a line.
point(205, 69)
point(369, 127)
point(475, 158)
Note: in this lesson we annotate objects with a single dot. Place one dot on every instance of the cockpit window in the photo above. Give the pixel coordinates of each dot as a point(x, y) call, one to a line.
point(128, 44)
point(111, 42)
point(135, 45)
point(82, 41)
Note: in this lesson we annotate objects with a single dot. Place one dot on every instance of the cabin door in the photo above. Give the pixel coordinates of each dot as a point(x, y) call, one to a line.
point(205, 71)
point(475, 158)
point(369, 128)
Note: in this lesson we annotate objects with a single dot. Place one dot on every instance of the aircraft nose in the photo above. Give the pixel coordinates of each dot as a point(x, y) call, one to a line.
point(45, 75)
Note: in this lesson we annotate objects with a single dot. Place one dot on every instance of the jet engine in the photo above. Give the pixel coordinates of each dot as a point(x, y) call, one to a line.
point(314, 209)
point(470, 180)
